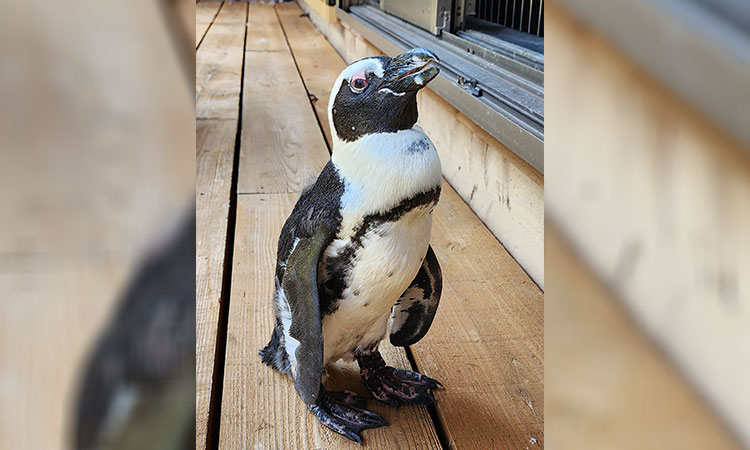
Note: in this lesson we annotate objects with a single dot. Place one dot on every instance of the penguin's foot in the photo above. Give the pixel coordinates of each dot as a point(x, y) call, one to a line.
point(349, 398)
point(395, 386)
point(399, 387)
point(344, 413)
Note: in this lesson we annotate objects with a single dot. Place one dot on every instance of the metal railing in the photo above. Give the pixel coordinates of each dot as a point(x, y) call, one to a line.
point(521, 15)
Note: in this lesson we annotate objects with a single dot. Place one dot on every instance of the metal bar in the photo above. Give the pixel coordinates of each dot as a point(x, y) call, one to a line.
point(539, 22)
point(505, 18)
point(700, 45)
point(513, 18)
point(531, 8)
point(520, 18)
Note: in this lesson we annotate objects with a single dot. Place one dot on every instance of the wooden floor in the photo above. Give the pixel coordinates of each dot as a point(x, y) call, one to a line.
point(263, 81)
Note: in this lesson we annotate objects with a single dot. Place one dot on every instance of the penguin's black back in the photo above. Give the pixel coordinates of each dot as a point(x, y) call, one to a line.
point(319, 204)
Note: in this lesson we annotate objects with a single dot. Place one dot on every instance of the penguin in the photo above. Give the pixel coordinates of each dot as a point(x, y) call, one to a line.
point(354, 262)
point(137, 388)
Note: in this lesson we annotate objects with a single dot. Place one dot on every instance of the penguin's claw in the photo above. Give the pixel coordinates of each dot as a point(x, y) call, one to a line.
point(344, 413)
point(397, 387)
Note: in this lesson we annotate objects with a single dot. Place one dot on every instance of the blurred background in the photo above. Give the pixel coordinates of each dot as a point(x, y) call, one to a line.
point(647, 248)
point(647, 208)
point(97, 172)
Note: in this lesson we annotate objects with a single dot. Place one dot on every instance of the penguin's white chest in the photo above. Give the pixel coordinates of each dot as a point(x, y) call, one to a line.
point(383, 266)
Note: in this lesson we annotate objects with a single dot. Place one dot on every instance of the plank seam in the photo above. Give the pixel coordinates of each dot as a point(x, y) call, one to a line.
point(299, 72)
point(215, 118)
point(217, 385)
point(264, 51)
point(440, 430)
point(210, 25)
point(247, 194)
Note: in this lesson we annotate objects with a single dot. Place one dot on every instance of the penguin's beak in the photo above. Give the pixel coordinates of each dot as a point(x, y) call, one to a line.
point(410, 71)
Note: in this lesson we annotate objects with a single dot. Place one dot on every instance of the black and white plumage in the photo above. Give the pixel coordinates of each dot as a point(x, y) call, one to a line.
point(353, 259)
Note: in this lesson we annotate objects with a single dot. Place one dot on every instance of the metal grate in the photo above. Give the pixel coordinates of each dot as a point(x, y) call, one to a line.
point(521, 15)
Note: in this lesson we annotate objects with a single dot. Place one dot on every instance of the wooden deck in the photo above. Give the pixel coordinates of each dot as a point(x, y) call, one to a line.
point(263, 80)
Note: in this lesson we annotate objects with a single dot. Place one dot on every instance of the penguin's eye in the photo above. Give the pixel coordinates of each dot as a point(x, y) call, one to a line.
point(358, 84)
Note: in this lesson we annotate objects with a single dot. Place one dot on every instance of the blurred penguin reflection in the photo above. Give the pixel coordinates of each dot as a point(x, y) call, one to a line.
point(138, 387)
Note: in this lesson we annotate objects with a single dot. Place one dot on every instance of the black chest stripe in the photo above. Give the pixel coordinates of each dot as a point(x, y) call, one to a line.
point(338, 268)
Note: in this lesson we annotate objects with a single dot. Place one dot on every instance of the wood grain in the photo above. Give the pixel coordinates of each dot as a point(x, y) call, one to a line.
point(205, 13)
point(282, 147)
point(486, 344)
point(264, 32)
point(261, 408)
point(318, 62)
point(96, 171)
point(214, 155)
point(219, 65)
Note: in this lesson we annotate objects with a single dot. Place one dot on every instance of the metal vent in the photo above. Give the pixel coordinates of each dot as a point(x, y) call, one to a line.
point(521, 15)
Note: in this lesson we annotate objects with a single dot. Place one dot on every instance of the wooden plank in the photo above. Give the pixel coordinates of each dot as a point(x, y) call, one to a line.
point(219, 65)
point(263, 30)
point(214, 155)
point(261, 408)
point(486, 344)
point(282, 146)
point(318, 62)
point(218, 78)
point(205, 13)
point(610, 383)
point(105, 172)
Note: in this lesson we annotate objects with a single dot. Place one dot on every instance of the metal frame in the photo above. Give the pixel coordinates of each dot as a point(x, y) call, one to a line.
point(501, 101)
point(701, 52)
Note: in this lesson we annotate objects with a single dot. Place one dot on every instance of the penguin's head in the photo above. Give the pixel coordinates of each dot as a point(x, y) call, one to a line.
point(379, 94)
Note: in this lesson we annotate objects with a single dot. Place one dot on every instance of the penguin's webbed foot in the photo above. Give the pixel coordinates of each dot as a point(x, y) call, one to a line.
point(394, 386)
point(397, 387)
point(344, 413)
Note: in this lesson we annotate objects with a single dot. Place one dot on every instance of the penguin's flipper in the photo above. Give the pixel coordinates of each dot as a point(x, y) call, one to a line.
point(413, 313)
point(300, 286)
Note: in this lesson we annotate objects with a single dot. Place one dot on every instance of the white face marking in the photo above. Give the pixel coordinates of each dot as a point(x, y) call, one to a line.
point(368, 65)
point(388, 91)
